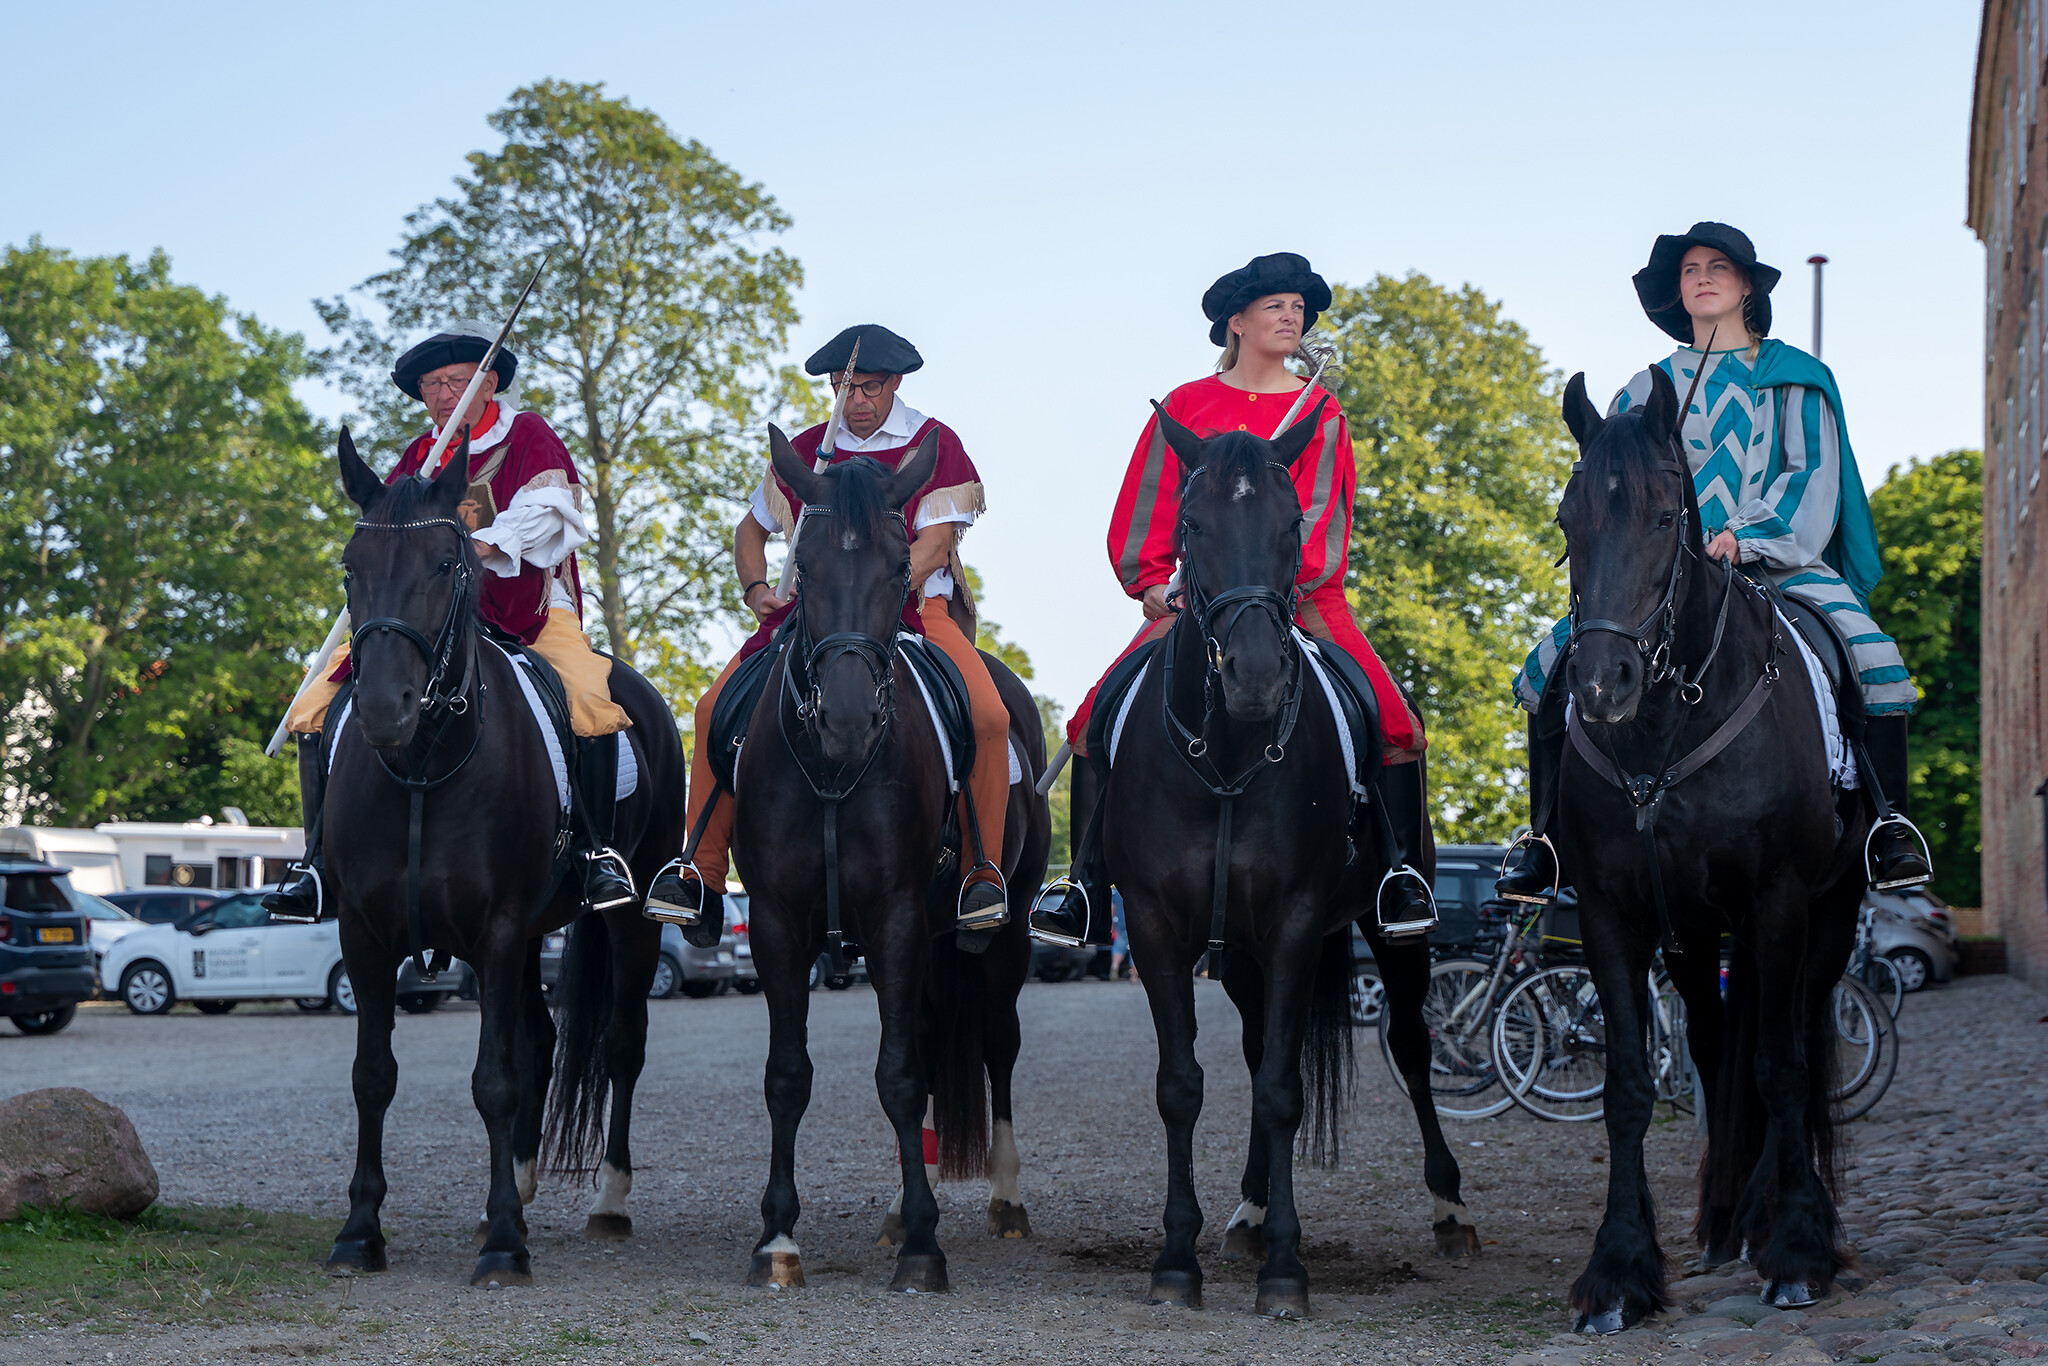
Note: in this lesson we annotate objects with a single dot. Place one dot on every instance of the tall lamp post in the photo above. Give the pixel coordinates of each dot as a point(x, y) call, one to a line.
point(1816, 262)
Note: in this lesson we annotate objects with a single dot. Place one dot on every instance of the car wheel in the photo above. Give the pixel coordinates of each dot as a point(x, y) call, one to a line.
point(45, 1021)
point(1368, 999)
point(1916, 969)
point(420, 1002)
point(747, 986)
point(668, 975)
point(340, 991)
point(146, 987)
point(313, 1003)
point(697, 991)
point(214, 1007)
point(817, 972)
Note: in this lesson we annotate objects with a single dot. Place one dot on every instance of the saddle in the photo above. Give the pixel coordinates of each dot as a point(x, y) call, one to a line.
point(1357, 705)
point(554, 696)
point(1109, 700)
point(1817, 628)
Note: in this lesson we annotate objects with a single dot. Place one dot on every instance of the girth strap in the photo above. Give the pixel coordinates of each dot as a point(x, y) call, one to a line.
point(1221, 901)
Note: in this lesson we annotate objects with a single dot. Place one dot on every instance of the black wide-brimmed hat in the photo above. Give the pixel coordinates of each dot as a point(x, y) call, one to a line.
point(451, 348)
point(1281, 273)
point(1657, 283)
point(882, 352)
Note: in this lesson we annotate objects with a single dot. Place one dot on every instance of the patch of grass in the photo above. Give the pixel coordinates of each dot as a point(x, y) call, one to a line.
point(566, 1336)
point(176, 1265)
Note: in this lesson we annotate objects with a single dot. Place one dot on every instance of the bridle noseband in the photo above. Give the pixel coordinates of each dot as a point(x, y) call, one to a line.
point(439, 652)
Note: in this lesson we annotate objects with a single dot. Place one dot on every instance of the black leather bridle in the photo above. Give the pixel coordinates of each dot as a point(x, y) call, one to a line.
point(440, 651)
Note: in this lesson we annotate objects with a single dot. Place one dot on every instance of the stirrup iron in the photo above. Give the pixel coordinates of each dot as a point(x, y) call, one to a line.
point(292, 869)
point(617, 860)
point(686, 916)
point(1556, 869)
point(1402, 929)
point(1926, 855)
point(1064, 941)
point(988, 917)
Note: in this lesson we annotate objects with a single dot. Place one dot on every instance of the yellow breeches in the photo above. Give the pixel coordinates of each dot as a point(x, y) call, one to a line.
point(586, 677)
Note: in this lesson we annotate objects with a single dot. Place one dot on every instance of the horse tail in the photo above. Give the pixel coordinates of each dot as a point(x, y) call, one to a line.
point(1329, 1064)
point(574, 1133)
point(955, 985)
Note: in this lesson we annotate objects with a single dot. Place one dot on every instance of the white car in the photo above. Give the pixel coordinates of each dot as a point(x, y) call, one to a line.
point(223, 953)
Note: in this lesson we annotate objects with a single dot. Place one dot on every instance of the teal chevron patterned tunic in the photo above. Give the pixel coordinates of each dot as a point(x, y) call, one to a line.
point(1767, 464)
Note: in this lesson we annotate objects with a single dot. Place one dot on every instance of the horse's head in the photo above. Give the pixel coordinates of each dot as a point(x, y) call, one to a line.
point(412, 577)
point(1624, 512)
point(853, 572)
point(1240, 537)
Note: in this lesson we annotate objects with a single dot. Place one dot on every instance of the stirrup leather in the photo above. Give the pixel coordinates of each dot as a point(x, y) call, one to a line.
point(1528, 837)
point(1053, 937)
point(1926, 856)
point(618, 861)
point(294, 868)
point(988, 917)
point(675, 915)
point(1402, 929)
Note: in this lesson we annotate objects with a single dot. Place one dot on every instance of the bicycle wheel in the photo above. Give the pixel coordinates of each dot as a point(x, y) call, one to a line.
point(1550, 1042)
point(1867, 1049)
point(1881, 975)
point(1463, 1082)
point(1670, 1057)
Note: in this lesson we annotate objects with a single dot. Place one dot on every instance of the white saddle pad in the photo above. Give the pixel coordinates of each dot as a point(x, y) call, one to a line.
point(1841, 759)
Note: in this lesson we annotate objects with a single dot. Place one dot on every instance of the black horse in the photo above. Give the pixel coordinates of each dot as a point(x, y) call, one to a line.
point(842, 808)
point(440, 726)
point(1695, 801)
point(1276, 876)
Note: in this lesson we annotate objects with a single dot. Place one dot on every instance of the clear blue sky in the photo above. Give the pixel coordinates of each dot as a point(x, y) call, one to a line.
point(1037, 195)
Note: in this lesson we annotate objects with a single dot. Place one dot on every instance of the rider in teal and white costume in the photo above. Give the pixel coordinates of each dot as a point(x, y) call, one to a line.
point(1778, 488)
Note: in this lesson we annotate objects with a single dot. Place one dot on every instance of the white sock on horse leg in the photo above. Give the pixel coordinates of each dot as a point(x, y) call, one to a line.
point(613, 1188)
point(1003, 1164)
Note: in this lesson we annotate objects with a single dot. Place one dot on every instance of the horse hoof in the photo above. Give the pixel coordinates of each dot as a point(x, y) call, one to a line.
point(1788, 1294)
point(921, 1274)
point(777, 1271)
point(892, 1234)
point(1455, 1239)
point(607, 1226)
point(1243, 1243)
point(1283, 1298)
point(1007, 1220)
point(503, 1268)
point(1612, 1319)
point(483, 1231)
point(975, 941)
point(351, 1255)
point(1183, 1288)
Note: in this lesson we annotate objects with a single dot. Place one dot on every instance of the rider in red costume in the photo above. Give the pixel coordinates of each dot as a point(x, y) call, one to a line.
point(1259, 315)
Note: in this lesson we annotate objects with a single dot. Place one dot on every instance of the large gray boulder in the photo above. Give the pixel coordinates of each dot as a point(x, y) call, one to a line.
point(66, 1144)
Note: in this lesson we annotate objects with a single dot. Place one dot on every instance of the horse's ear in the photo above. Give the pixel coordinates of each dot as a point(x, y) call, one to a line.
point(1291, 443)
point(451, 485)
point(1185, 443)
point(1660, 414)
point(794, 469)
point(1580, 413)
point(914, 473)
point(358, 480)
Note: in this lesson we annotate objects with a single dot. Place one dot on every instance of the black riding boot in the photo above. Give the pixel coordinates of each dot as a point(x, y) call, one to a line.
point(1533, 873)
point(1404, 906)
point(300, 896)
point(1897, 857)
point(685, 902)
point(1075, 910)
point(607, 881)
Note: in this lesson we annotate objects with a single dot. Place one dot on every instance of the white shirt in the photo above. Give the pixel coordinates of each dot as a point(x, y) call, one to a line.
point(896, 430)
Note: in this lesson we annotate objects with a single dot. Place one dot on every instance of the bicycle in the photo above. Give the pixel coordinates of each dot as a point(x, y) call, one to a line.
point(1875, 970)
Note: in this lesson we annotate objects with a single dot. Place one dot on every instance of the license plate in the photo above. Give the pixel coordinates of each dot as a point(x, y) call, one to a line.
point(61, 934)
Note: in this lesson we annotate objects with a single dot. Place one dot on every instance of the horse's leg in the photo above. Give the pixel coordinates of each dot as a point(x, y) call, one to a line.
point(536, 1044)
point(495, 1087)
point(635, 945)
point(1277, 1110)
point(1788, 1214)
point(1624, 1279)
point(786, 1082)
point(1170, 989)
point(1404, 973)
point(1696, 973)
point(896, 965)
point(360, 1244)
point(1244, 982)
point(1002, 1039)
point(892, 1234)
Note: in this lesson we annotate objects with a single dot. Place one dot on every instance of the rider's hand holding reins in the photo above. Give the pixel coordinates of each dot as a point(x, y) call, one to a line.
point(762, 602)
point(1154, 603)
point(1723, 547)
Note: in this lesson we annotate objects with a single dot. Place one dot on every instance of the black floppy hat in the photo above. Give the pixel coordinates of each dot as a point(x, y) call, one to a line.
point(450, 348)
point(882, 352)
point(1283, 272)
point(1657, 282)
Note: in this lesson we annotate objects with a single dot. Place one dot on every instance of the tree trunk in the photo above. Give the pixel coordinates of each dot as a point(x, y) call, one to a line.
point(611, 599)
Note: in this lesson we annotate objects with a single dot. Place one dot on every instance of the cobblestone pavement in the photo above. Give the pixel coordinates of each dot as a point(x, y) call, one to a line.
point(1945, 1203)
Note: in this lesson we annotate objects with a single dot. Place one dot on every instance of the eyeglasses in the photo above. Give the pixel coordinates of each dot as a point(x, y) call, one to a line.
point(871, 387)
point(453, 386)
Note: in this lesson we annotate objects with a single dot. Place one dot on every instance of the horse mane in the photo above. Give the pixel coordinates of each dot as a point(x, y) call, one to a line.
point(1623, 464)
point(1230, 456)
point(857, 496)
point(404, 501)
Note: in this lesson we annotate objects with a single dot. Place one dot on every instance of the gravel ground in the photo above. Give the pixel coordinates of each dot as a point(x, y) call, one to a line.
point(254, 1108)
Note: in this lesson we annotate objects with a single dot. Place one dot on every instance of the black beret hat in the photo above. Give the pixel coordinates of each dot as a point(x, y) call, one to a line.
point(1657, 283)
point(1281, 273)
point(882, 352)
point(450, 348)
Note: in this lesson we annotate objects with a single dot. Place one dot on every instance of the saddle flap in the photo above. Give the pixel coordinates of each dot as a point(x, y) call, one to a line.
point(1109, 698)
point(947, 692)
point(1357, 705)
point(735, 707)
point(1817, 628)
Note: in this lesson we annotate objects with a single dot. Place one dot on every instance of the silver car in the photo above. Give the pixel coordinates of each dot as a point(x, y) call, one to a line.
point(682, 968)
point(1914, 929)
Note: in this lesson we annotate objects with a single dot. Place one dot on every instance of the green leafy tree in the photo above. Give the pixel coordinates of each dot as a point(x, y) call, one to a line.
point(1930, 521)
point(1461, 459)
point(168, 533)
point(648, 344)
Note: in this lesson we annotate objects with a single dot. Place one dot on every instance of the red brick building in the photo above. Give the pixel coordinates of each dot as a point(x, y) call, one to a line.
point(2009, 212)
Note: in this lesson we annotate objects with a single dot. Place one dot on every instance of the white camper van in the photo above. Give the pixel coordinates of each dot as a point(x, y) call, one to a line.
point(93, 858)
point(202, 853)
